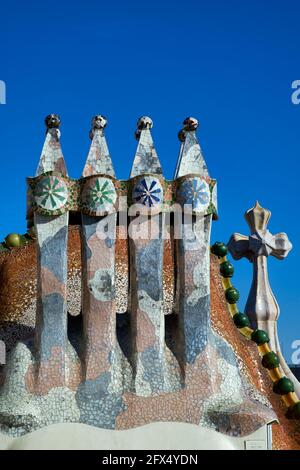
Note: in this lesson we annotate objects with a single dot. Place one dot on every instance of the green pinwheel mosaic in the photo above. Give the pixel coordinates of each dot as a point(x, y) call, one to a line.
point(51, 193)
point(98, 196)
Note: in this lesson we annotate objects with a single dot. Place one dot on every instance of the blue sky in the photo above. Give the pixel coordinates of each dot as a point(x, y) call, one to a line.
point(230, 64)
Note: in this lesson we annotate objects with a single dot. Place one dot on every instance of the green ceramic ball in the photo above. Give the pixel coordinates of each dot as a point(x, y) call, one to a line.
point(232, 295)
point(241, 320)
point(283, 386)
point(294, 411)
point(13, 240)
point(260, 337)
point(226, 269)
point(219, 249)
point(270, 360)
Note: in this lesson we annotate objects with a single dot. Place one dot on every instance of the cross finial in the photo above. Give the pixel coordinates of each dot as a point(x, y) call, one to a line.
point(261, 306)
point(261, 241)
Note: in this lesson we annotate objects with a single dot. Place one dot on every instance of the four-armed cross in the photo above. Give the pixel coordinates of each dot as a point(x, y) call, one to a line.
point(262, 307)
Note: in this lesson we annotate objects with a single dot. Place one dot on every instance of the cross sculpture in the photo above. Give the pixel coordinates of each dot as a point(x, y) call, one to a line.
point(262, 307)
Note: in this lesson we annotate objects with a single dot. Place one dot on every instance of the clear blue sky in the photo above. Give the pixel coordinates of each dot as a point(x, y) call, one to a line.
point(228, 63)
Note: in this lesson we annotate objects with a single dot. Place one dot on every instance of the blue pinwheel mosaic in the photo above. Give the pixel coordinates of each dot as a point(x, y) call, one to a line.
point(148, 191)
point(194, 192)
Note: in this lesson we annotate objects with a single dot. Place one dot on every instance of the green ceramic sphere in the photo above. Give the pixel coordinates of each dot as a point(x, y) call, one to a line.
point(219, 249)
point(270, 360)
point(294, 411)
point(232, 295)
point(260, 337)
point(13, 240)
point(226, 269)
point(283, 386)
point(241, 320)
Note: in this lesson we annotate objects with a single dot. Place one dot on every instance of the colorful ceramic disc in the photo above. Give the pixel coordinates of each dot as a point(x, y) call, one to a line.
point(99, 195)
point(194, 192)
point(51, 193)
point(148, 191)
